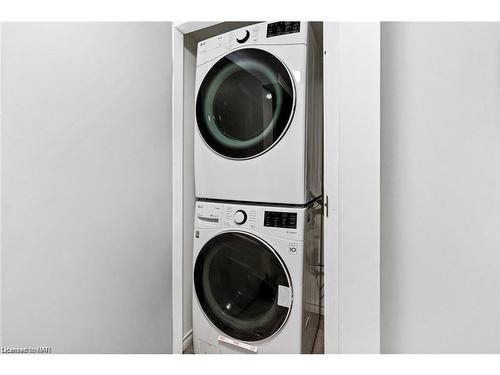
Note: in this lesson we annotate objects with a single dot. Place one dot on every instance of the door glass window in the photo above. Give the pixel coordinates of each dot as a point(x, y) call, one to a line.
point(245, 103)
point(237, 281)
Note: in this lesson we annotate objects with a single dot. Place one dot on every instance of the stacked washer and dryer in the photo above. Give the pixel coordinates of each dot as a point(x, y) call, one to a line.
point(258, 184)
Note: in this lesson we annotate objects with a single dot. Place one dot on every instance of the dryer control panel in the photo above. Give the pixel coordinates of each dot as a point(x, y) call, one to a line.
point(281, 32)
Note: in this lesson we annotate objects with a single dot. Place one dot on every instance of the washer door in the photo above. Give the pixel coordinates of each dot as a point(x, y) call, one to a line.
point(245, 103)
point(242, 286)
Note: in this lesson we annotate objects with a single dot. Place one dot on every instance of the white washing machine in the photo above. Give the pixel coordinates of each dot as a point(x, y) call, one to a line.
point(256, 278)
point(259, 115)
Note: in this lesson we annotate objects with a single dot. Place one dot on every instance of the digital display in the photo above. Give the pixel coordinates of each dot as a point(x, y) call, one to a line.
point(280, 219)
point(282, 28)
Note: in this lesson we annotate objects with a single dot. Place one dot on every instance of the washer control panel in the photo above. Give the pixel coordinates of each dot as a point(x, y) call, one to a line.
point(281, 222)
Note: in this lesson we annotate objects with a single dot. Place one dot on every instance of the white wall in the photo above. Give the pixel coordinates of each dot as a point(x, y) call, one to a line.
point(440, 188)
point(352, 184)
point(86, 187)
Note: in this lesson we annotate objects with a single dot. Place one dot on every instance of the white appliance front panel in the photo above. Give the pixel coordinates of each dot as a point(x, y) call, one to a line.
point(289, 338)
point(281, 170)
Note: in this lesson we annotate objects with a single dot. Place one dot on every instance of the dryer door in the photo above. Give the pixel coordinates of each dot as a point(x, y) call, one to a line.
point(242, 286)
point(245, 103)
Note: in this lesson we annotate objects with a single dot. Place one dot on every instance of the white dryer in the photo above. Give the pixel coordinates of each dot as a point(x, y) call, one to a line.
point(256, 280)
point(258, 134)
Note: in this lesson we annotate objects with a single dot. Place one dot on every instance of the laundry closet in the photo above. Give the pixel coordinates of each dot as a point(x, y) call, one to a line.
point(265, 178)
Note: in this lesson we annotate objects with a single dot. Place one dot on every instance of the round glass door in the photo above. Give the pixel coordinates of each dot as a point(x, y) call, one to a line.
point(245, 103)
point(237, 280)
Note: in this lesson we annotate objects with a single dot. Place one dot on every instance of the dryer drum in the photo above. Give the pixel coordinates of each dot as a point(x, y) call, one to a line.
point(245, 103)
point(237, 280)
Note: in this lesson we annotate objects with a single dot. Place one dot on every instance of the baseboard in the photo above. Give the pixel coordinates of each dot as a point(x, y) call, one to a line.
point(187, 340)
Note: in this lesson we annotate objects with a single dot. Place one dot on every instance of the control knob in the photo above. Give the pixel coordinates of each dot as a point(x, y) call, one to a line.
point(240, 217)
point(242, 36)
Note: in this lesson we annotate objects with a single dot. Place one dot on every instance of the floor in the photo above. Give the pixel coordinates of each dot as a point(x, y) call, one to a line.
point(318, 348)
point(189, 349)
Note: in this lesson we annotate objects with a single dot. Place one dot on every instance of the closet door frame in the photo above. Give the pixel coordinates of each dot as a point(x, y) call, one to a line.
point(352, 187)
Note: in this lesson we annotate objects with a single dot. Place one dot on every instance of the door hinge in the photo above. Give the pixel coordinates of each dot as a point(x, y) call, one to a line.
point(326, 206)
